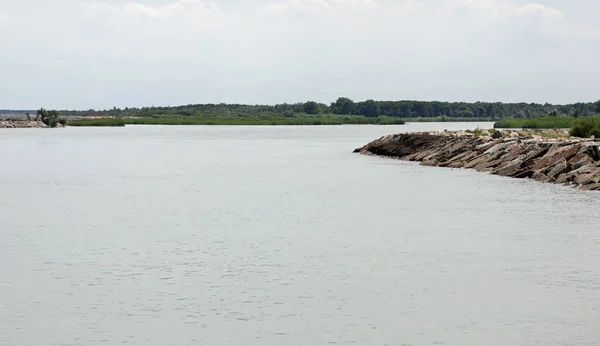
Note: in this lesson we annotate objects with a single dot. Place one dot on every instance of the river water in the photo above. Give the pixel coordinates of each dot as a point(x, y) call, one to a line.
point(268, 236)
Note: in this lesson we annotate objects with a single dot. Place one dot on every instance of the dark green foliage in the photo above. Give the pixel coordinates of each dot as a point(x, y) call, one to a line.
point(346, 107)
point(369, 108)
point(576, 113)
point(97, 122)
point(304, 120)
point(586, 127)
point(343, 106)
point(311, 107)
point(50, 118)
point(548, 122)
point(553, 113)
point(444, 119)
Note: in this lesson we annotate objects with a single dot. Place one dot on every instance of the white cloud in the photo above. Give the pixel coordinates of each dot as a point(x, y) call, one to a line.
point(187, 8)
point(506, 9)
point(131, 52)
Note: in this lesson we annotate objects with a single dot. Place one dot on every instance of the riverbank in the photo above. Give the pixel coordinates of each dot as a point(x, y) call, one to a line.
point(542, 155)
point(21, 124)
point(197, 120)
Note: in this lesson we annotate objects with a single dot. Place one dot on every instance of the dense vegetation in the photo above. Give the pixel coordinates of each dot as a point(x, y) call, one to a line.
point(342, 111)
point(346, 107)
point(547, 122)
point(198, 120)
point(586, 127)
point(583, 127)
point(50, 118)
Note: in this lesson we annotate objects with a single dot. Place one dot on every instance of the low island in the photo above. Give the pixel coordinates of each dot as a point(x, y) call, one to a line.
point(544, 155)
point(341, 111)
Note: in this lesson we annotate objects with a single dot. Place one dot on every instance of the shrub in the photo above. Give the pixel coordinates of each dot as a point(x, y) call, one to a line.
point(586, 127)
point(50, 118)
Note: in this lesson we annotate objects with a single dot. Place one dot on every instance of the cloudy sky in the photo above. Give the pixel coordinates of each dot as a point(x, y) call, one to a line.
point(98, 54)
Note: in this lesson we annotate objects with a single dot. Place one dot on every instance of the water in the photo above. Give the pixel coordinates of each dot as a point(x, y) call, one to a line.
point(281, 236)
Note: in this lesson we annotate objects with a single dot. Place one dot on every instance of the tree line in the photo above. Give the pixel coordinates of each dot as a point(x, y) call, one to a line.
point(369, 108)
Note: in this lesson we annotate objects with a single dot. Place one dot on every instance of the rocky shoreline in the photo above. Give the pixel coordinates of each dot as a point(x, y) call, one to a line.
point(21, 124)
point(548, 156)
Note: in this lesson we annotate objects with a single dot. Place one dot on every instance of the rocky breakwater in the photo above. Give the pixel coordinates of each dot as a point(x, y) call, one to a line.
point(21, 124)
point(549, 156)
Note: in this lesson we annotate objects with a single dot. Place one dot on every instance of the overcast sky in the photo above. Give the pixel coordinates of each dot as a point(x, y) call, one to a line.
point(99, 54)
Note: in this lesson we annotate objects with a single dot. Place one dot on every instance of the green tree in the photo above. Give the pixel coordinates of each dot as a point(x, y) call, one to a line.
point(369, 108)
point(577, 113)
point(597, 105)
point(50, 118)
point(311, 107)
point(553, 113)
point(343, 105)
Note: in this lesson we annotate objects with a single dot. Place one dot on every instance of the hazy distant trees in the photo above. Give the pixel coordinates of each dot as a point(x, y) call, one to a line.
point(311, 107)
point(346, 107)
point(369, 108)
point(343, 106)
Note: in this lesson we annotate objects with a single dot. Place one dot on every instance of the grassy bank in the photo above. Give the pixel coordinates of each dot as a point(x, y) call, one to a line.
point(584, 127)
point(561, 122)
point(446, 119)
point(192, 120)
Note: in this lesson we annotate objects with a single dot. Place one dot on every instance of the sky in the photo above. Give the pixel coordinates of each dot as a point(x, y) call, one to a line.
point(72, 54)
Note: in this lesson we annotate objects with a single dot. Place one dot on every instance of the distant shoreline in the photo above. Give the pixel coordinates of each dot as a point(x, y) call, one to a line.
point(254, 121)
point(232, 121)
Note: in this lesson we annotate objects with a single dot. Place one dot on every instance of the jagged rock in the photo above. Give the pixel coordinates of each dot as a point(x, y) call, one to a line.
point(508, 168)
point(539, 175)
point(583, 158)
point(558, 168)
point(584, 179)
point(21, 124)
point(590, 187)
point(565, 152)
point(497, 134)
point(519, 154)
point(477, 160)
point(429, 163)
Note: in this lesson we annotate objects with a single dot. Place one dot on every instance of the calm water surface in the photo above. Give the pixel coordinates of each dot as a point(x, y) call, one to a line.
point(273, 236)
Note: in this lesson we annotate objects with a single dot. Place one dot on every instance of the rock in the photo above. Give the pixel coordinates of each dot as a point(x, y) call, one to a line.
point(566, 153)
point(477, 160)
point(21, 124)
point(518, 154)
point(581, 158)
point(558, 168)
point(524, 174)
point(429, 163)
point(590, 187)
point(539, 176)
point(588, 178)
point(508, 168)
